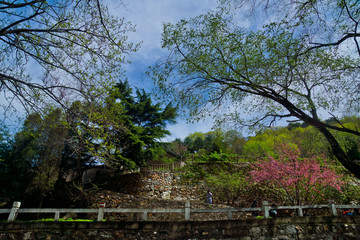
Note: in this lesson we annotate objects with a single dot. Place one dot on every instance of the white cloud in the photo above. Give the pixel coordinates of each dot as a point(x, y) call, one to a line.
point(182, 129)
point(149, 16)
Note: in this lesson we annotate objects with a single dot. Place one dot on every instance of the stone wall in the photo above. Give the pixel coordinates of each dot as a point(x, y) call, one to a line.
point(154, 190)
point(160, 185)
point(317, 228)
point(167, 185)
point(150, 190)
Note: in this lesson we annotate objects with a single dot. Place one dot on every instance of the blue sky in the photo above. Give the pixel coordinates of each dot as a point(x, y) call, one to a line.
point(149, 16)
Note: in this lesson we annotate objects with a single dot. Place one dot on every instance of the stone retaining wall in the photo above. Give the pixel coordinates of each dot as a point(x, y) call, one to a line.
point(317, 228)
point(160, 185)
point(151, 190)
point(166, 185)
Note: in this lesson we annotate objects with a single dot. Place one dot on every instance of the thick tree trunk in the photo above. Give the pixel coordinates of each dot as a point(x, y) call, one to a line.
point(340, 154)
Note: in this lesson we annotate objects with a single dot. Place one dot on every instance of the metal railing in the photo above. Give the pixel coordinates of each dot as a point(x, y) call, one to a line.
point(265, 210)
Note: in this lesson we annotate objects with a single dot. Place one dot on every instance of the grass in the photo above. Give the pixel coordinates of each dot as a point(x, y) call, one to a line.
point(66, 220)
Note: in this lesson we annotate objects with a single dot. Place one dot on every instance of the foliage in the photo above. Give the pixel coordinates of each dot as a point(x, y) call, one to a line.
point(221, 173)
point(37, 154)
point(325, 23)
point(122, 132)
point(178, 148)
point(215, 141)
point(75, 47)
point(230, 184)
point(195, 141)
point(32, 159)
point(300, 180)
point(8, 181)
point(147, 123)
point(309, 141)
point(216, 157)
point(51, 133)
point(349, 142)
point(257, 146)
point(272, 73)
point(83, 133)
point(350, 191)
point(233, 142)
point(307, 138)
point(5, 143)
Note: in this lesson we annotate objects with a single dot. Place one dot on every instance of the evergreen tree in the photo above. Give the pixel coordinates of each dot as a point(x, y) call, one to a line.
point(122, 132)
point(146, 123)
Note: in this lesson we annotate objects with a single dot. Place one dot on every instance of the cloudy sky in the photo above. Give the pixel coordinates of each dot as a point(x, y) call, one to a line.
point(148, 16)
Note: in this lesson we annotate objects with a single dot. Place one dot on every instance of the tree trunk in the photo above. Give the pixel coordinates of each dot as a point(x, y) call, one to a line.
point(340, 154)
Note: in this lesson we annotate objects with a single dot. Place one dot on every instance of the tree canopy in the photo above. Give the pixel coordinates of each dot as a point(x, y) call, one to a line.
point(52, 51)
point(270, 74)
point(122, 133)
point(302, 180)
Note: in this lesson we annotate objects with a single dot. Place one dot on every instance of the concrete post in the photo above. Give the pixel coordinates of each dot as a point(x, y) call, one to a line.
point(333, 209)
point(13, 212)
point(265, 209)
point(101, 214)
point(144, 216)
point(300, 212)
point(187, 211)
point(229, 215)
point(57, 216)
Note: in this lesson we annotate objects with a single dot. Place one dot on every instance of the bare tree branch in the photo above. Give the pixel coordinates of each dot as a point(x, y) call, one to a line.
point(71, 41)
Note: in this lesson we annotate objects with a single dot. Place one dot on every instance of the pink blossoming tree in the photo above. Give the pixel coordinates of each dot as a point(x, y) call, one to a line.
point(299, 180)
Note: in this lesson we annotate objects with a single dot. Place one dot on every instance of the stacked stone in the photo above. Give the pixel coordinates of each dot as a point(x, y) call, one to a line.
point(156, 190)
point(120, 200)
point(166, 185)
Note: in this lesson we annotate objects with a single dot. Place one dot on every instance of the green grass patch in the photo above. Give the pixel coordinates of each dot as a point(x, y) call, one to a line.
point(66, 220)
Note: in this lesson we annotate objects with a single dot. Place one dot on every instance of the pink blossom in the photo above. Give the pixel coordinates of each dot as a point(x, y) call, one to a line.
point(301, 178)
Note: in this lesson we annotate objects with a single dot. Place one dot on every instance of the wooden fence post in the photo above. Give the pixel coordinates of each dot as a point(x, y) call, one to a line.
point(265, 209)
point(187, 211)
point(13, 212)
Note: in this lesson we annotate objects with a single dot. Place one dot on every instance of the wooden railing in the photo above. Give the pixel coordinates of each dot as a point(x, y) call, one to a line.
point(265, 210)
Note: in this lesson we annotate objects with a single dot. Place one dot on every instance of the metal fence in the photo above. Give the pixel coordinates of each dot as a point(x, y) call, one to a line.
point(186, 211)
